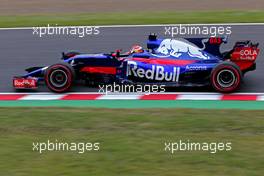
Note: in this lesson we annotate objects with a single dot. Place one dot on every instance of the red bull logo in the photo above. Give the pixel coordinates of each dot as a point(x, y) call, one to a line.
point(157, 73)
point(24, 83)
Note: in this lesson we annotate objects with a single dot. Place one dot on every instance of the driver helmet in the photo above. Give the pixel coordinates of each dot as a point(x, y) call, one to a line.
point(136, 49)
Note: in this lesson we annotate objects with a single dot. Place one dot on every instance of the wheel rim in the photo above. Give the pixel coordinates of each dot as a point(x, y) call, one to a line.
point(226, 78)
point(58, 78)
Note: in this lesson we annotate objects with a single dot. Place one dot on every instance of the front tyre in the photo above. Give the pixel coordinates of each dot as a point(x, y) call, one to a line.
point(226, 77)
point(59, 77)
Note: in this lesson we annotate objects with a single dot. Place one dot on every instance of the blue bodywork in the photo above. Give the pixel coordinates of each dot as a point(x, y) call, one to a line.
point(166, 61)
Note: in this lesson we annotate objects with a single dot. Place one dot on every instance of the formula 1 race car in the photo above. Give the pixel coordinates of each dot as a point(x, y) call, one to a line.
point(169, 62)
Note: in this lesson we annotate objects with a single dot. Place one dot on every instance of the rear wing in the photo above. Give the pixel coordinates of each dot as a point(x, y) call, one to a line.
point(244, 43)
point(244, 54)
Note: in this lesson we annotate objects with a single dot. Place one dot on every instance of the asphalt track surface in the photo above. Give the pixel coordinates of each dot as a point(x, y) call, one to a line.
point(20, 49)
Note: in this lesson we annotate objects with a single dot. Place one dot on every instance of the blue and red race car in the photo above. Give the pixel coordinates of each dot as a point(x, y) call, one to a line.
point(169, 62)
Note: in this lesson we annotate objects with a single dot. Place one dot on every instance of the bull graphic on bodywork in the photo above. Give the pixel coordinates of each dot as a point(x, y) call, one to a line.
point(175, 48)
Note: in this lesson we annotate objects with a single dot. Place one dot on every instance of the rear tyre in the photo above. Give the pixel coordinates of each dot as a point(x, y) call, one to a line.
point(59, 77)
point(226, 77)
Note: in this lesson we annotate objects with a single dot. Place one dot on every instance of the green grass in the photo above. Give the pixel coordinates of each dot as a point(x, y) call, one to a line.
point(197, 104)
point(132, 141)
point(133, 18)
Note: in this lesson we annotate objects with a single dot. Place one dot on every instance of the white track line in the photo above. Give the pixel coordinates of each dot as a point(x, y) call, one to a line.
point(42, 97)
point(148, 25)
point(198, 97)
point(260, 98)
